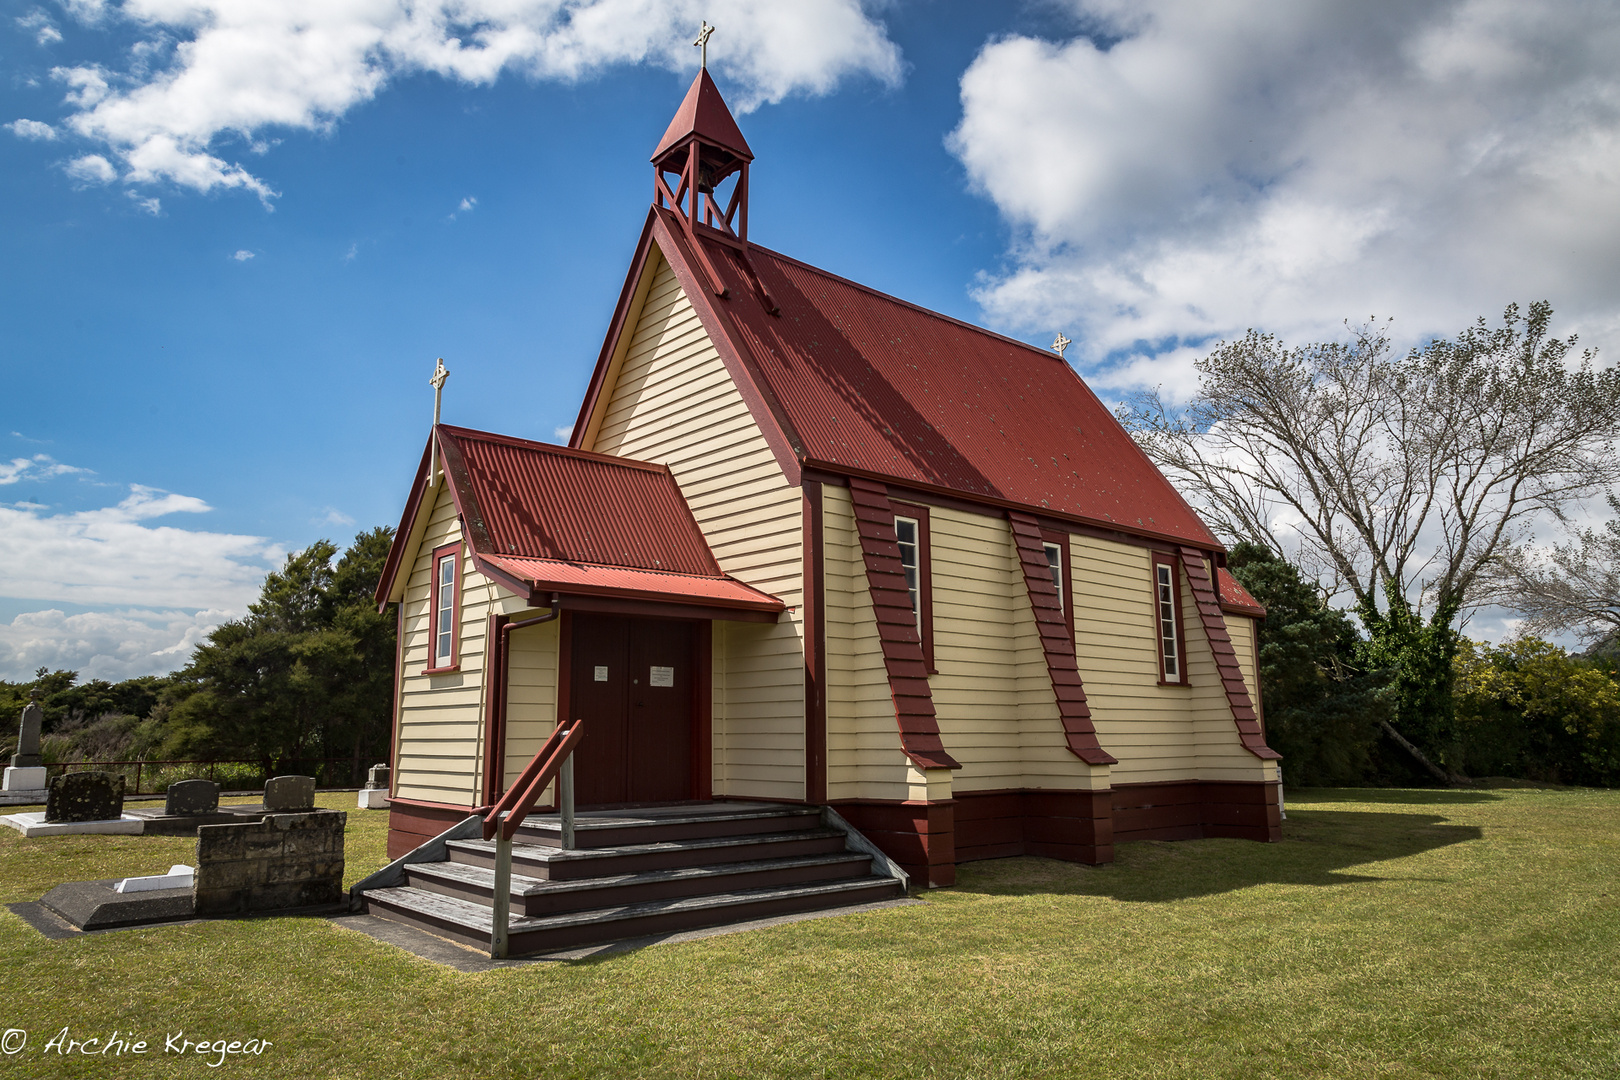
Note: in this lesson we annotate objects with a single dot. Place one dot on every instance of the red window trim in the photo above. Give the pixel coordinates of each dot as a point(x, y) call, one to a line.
point(1163, 558)
point(925, 575)
point(439, 553)
point(1061, 539)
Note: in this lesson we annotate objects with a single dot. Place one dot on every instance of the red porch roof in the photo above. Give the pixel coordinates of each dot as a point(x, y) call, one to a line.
point(852, 381)
point(542, 518)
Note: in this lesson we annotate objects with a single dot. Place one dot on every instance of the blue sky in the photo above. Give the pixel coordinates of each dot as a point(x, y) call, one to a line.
point(235, 241)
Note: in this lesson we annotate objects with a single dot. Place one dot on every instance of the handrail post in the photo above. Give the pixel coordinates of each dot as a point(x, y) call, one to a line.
point(565, 801)
point(498, 945)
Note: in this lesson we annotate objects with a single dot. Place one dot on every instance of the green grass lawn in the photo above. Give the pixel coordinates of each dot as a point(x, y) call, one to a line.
point(1392, 934)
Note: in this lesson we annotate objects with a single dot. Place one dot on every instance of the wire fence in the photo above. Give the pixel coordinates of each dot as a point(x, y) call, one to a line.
point(154, 777)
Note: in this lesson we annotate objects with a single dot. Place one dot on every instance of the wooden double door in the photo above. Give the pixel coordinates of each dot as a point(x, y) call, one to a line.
point(631, 681)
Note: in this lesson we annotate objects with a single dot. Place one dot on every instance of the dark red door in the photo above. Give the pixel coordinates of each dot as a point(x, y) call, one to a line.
point(631, 682)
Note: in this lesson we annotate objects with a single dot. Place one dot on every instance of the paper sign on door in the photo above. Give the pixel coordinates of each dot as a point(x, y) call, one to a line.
point(662, 676)
point(601, 674)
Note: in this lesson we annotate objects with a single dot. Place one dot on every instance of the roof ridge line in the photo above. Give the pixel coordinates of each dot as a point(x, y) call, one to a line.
point(554, 448)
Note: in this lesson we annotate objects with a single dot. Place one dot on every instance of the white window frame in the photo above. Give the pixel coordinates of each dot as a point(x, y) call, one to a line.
point(1167, 621)
point(1054, 560)
point(444, 602)
point(913, 570)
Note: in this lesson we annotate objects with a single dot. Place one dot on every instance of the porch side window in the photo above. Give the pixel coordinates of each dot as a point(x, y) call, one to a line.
point(445, 604)
point(911, 533)
point(1167, 617)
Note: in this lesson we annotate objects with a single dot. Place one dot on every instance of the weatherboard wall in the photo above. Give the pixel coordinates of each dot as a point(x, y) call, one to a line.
point(671, 400)
point(440, 715)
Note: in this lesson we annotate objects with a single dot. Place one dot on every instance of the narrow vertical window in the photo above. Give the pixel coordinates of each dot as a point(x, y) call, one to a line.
point(1168, 605)
point(443, 607)
point(911, 534)
point(905, 531)
point(1054, 559)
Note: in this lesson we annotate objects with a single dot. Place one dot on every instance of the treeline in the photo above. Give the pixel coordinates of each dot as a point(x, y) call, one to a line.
point(306, 675)
point(1525, 710)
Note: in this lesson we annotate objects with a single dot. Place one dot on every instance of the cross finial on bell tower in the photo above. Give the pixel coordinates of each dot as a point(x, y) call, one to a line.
point(440, 374)
point(702, 43)
point(1060, 343)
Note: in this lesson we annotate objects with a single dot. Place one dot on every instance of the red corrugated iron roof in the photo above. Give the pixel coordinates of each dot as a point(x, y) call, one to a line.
point(571, 521)
point(548, 502)
point(864, 382)
point(1234, 597)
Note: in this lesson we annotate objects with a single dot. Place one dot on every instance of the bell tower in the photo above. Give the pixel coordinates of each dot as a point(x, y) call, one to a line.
point(701, 150)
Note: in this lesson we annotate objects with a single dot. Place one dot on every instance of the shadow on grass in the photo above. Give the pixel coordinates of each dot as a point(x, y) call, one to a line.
point(1319, 847)
point(1392, 796)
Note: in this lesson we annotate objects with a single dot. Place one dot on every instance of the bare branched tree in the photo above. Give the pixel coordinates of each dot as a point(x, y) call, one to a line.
point(1574, 588)
point(1399, 479)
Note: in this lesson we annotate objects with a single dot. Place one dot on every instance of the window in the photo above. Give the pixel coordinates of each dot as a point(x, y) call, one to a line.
point(911, 533)
point(1054, 559)
point(1167, 618)
point(905, 531)
point(444, 604)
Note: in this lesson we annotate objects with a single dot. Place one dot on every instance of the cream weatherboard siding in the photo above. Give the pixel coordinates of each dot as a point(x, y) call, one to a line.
point(864, 759)
point(441, 715)
point(440, 752)
point(673, 402)
point(992, 691)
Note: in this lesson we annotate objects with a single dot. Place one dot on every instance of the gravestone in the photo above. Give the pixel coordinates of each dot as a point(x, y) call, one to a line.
point(284, 793)
point(377, 777)
point(85, 796)
point(27, 755)
point(192, 797)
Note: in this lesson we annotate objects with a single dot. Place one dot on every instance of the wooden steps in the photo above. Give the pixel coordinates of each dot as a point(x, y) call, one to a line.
point(637, 872)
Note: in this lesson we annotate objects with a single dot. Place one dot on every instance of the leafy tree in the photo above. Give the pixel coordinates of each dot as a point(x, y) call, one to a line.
point(308, 673)
point(1528, 709)
point(1397, 479)
point(1322, 708)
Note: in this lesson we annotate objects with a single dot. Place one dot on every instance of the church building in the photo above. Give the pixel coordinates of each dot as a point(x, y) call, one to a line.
point(811, 544)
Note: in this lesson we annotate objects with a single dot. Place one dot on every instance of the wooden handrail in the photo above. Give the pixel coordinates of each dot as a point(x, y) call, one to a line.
point(537, 774)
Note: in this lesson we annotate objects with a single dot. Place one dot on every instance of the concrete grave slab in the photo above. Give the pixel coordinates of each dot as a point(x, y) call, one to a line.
point(34, 824)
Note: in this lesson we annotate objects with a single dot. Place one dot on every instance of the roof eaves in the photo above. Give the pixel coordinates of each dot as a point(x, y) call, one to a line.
point(898, 485)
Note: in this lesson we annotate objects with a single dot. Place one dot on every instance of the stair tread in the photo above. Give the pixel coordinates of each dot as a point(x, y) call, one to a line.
point(523, 885)
point(626, 819)
point(541, 853)
point(478, 917)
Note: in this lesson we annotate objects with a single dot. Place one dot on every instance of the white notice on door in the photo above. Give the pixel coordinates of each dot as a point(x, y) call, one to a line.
point(662, 676)
point(601, 674)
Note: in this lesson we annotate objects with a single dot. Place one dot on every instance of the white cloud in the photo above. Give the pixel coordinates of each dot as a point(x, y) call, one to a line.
point(243, 255)
point(564, 433)
point(111, 645)
point(354, 250)
point(110, 556)
point(1287, 164)
point(31, 129)
point(153, 205)
point(333, 516)
point(92, 169)
point(467, 204)
point(45, 31)
point(38, 467)
point(242, 66)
